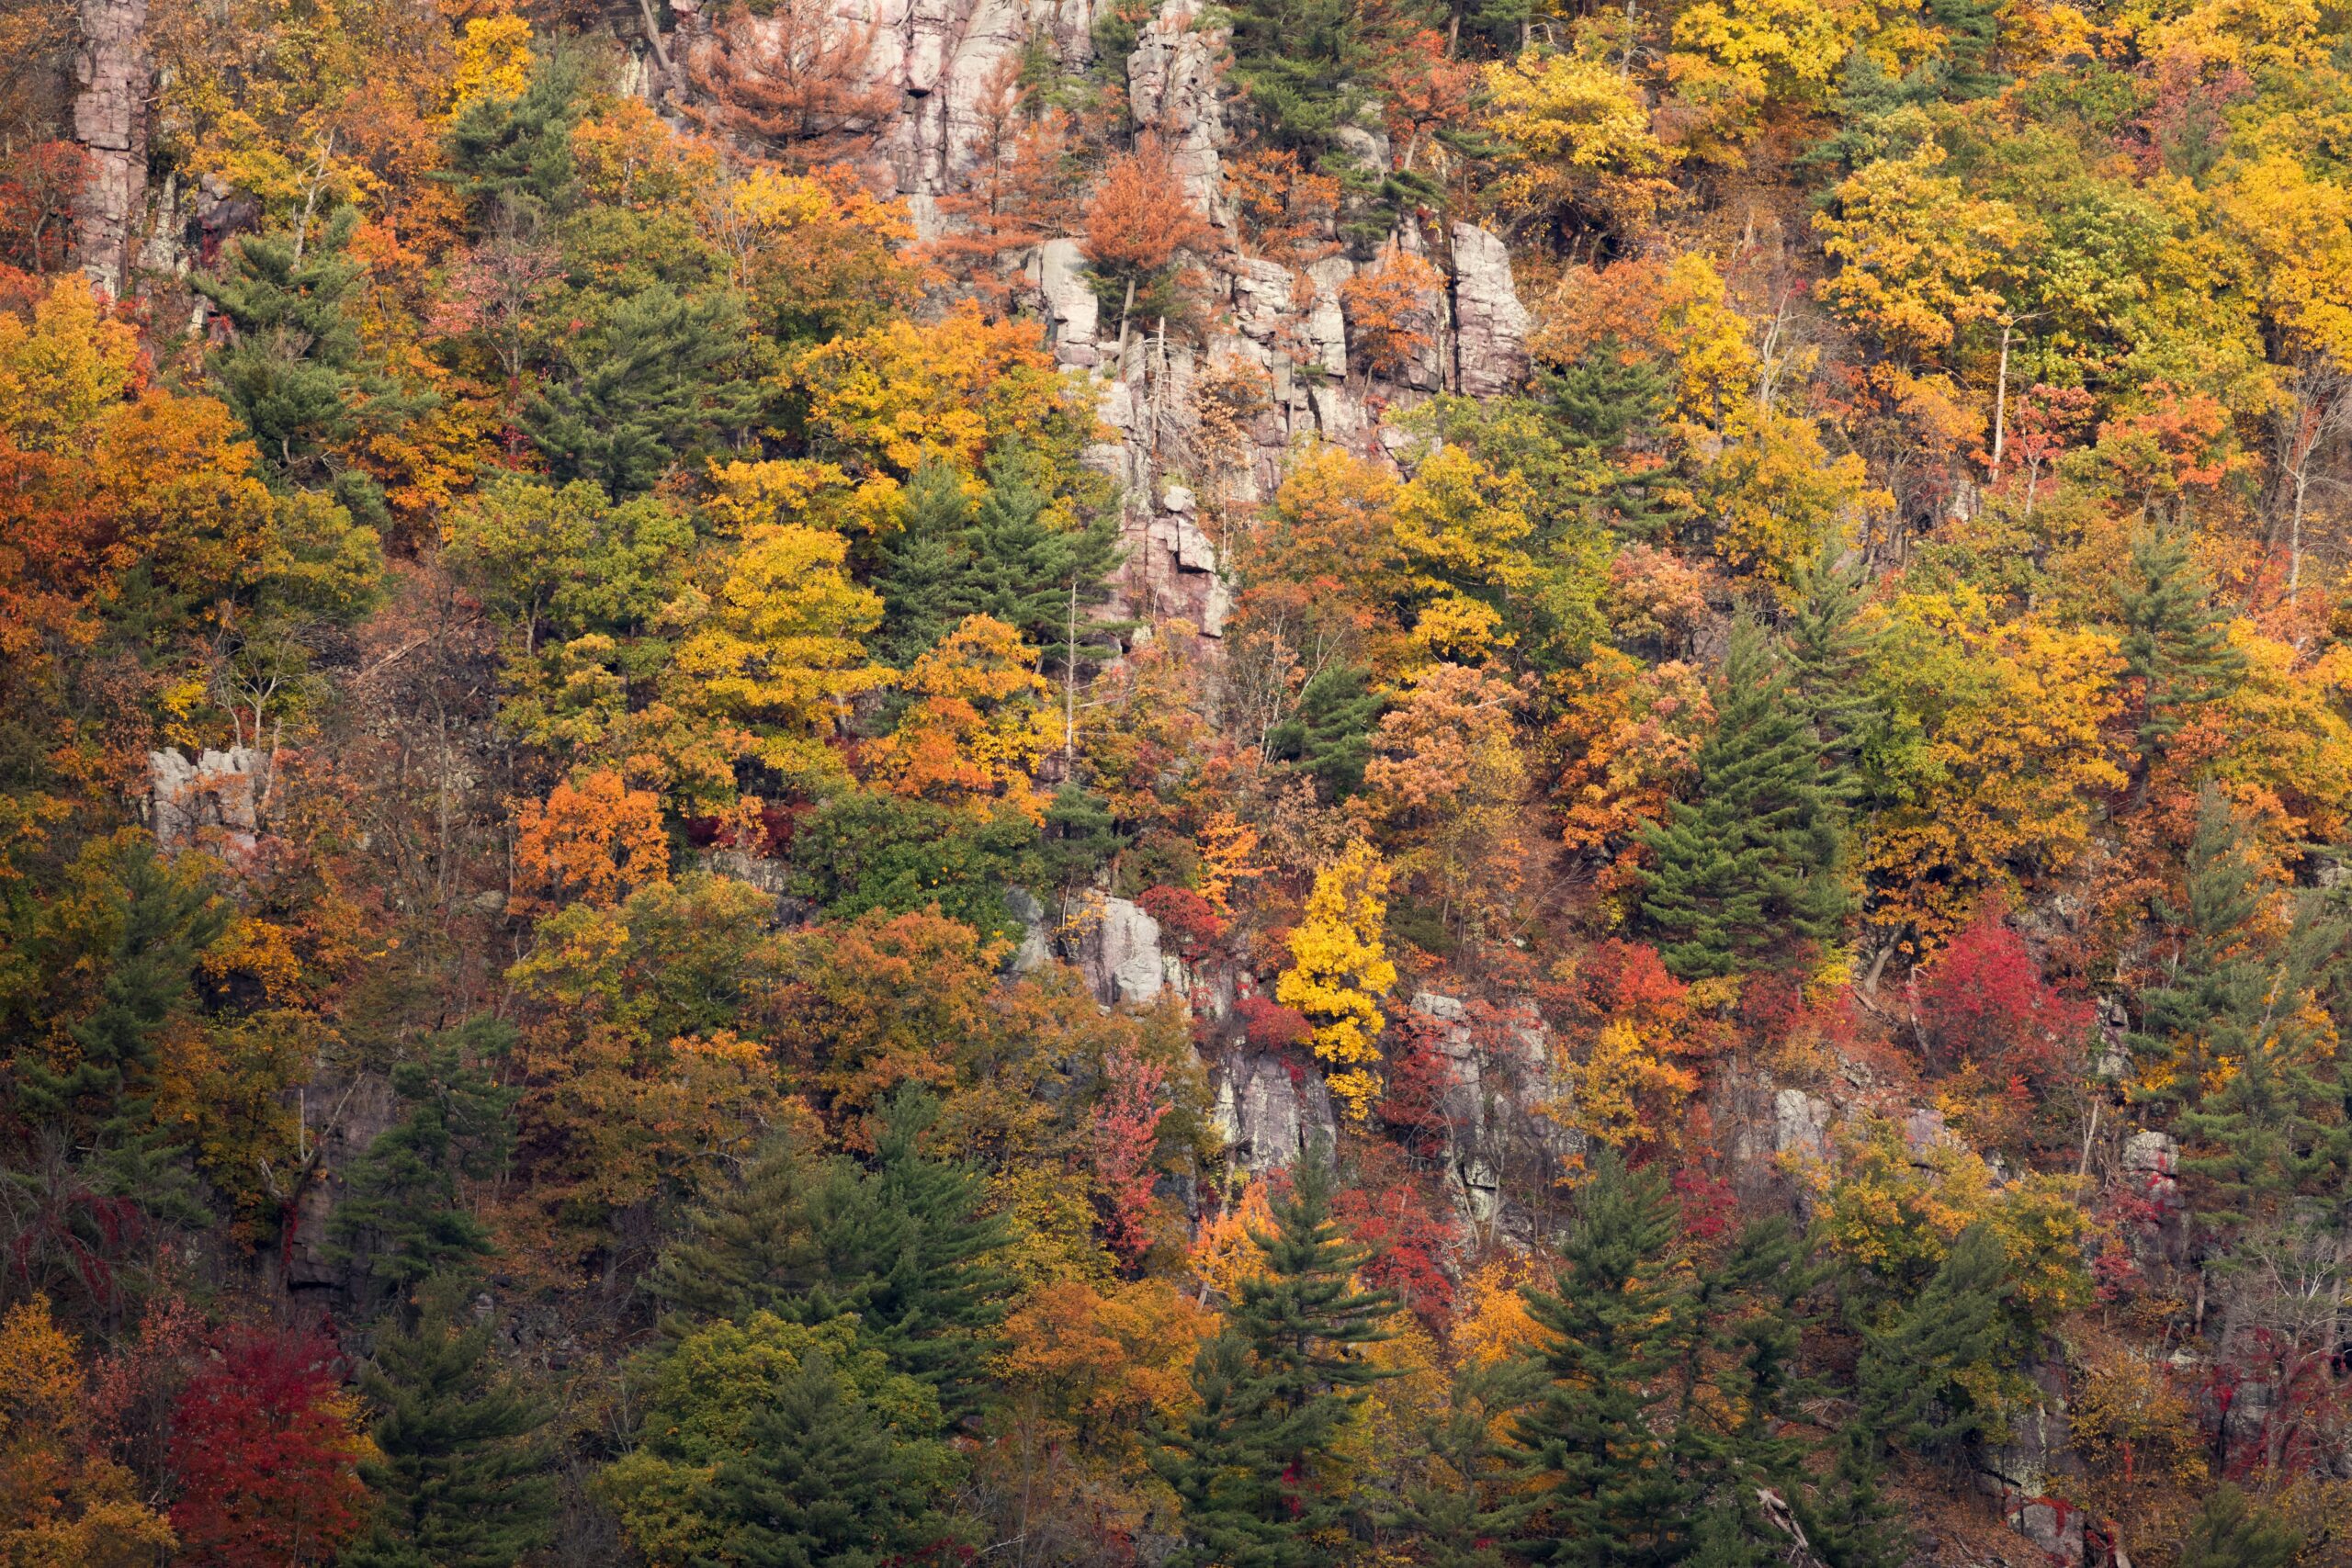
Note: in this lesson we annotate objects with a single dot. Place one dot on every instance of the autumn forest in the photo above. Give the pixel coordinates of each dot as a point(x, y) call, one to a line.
point(1155, 783)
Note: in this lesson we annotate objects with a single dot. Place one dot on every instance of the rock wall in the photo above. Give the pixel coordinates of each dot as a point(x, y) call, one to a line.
point(112, 73)
point(1201, 419)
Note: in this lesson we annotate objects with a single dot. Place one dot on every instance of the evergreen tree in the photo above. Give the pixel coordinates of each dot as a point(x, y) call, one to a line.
point(1276, 1388)
point(1610, 1496)
point(1305, 65)
point(1080, 834)
point(101, 1104)
point(749, 1248)
point(1467, 1503)
point(517, 151)
point(401, 1210)
point(1329, 734)
point(460, 1479)
point(2176, 642)
point(1752, 860)
point(826, 1485)
point(923, 565)
point(1906, 1384)
point(903, 1246)
point(1037, 577)
point(2233, 1007)
point(294, 370)
point(1829, 655)
point(2232, 1532)
point(656, 382)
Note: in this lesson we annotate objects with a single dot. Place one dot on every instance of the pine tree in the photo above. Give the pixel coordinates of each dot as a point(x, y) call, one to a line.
point(2176, 642)
point(1751, 863)
point(657, 382)
point(1276, 1388)
point(750, 1248)
point(460, 1479)
point(2238, 1006)
point(295, 371)
point(903, 1246)
point(2232, 1532)
point(401, 1211)
point(1610, 1494)
point(1329, 734)
point(1080, 834)
point(102, 1104)
point(1907, 1390)
point(517, 151)
point(1829, 655)
point(923, 565)
point(1468, 1504)
point(826, 1485)
point(1043, 580)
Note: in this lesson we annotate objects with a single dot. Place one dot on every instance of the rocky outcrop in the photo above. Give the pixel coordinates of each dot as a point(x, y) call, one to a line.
point(1268, 1108)
point(1489, 324)
point(113, 76)
point(217, 800)
point(1120, 957)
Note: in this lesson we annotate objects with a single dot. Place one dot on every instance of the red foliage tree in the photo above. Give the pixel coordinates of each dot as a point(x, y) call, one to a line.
point(1127, 1132)
point(1984, 1000)
point(1396, 1212)
point(265, 1445)
point(1418, 1073)
point(1270, 1026)
point(38, 188)
point(1183, 914)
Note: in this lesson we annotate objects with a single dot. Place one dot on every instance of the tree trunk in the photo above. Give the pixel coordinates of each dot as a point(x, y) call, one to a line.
point(110, 122)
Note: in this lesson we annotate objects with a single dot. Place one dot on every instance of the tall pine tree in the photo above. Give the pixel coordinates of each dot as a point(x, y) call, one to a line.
point(460, 1478)
point(1589, 1447)
point(1276, 1388)
point(2176, 643)
point(1750, 863)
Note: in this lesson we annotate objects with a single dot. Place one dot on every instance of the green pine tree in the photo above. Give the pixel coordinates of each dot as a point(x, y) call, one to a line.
point(902, 1245)
point(401, 1211)
point(1466, 1504)
point(517, 151)
point(1081, 835)
point(923, 565)
point(2231, 1007)
point(748, 1248)
point(656, 382)
point(2232, 1532)
point(1830, 658)
point(826, 1485)
point(2176, 642)
point(459, 1477)
point(100, 1108)
point(1276, 1388)
point(1609, 1493)
point(1751, 863)
point(294, 370)
point(1327, 736)
point(1037, 576)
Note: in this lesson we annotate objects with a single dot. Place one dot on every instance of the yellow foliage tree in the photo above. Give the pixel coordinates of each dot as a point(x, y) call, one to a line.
point(776, 645)
point(1340, 971)
point(493, 62)
point(1715, 362)
point(1918, 251)
point(979, 724)
point(1581, 139)
point(63, 1504)
point(1778, 499)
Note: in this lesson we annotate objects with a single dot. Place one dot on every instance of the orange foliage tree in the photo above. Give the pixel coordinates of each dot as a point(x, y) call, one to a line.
point(594, 839)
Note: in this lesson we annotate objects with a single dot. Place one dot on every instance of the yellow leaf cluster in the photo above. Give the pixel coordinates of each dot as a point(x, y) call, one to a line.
point(1339, 970)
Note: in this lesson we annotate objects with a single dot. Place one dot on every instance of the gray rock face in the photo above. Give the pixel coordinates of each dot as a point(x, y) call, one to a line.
point(222, 791)
point(1489, 324)
point(1036, 948)
point(1800, 1125)
point(1499, 1072)
point(113, 70)
point(1121, 955)
point(1174, 88)
point(1270, 1109)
